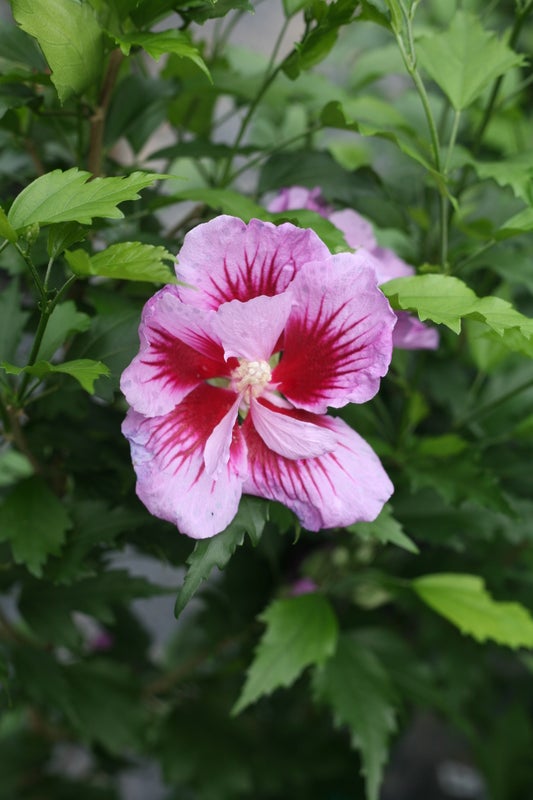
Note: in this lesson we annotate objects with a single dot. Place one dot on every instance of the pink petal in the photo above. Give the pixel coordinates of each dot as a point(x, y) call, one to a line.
point(339, 488)
point(168, 457)
point(178, 351)
point(338, 339)
point(288, 435)
point(357, 231)
point(411, 334)
point(390, 265)
point(218, 446)
point(250, 330)
point(299, 197)
point(225, 259)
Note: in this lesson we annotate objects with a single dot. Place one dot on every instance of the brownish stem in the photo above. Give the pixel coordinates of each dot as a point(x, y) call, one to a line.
point(96, 137)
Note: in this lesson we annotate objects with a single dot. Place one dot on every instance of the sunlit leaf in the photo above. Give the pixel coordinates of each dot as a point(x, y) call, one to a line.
point(465, 602)
point(131, 261)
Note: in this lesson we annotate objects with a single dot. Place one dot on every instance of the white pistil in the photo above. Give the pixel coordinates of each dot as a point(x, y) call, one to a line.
point(251, 377)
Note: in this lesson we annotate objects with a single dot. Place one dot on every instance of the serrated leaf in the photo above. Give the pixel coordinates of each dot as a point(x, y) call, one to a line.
point(515, 172)
point(159, 43)
point(130, 261)
point(447, 300)
point(34, 522)
point(64, 320)
point(6, 231)
point(465, 59)
point(300, 631)
point(12, 320)
point(216, 552)
point(465, 602)
point(69, 36)
point(69, 196)
point(384, 529)
point(356, 687)
point(84, 370)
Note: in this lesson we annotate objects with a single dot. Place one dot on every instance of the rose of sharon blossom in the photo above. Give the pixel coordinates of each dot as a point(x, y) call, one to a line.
point(409, 333)
point(235, 373)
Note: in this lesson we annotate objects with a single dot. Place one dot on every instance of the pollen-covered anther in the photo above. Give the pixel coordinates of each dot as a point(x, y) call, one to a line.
point(251, 377)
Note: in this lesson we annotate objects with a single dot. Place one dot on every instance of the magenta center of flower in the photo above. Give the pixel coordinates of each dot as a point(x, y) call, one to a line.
point(251, 377)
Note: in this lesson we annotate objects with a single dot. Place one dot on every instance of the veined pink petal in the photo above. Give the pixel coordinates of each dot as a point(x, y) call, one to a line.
point(300, 197)
point(339, 488)
point(179, 350)
point(411, 334)
point(218, 446)
point(225, 259)
point(338, 339)
point(250, 330)
point(168, 457)
point(357, 231)
point(289, 435)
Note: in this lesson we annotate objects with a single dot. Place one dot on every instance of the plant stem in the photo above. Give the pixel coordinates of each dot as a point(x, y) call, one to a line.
point(35, 275)
point(96, 138)
point(270, 76)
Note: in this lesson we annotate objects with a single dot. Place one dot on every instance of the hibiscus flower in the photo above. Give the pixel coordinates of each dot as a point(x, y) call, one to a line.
point(409, 333)
point(237, 368)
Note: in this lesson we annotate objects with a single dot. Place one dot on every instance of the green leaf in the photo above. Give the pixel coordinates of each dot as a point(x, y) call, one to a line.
point(160, 43)
point(372, 117)
point(464, 601)
point(64, 320)
point(300, 631)
point(68, 197)
point(515, 172)
point(13, 467)
point(34, 522)
point(6, 231)
point(384, 529)
point(447, 300)
point(84, 370)
point(216, 552)
point(130, 261)
point(465, 59)
point(12, 320)
point(70, 38)
point(356, 687)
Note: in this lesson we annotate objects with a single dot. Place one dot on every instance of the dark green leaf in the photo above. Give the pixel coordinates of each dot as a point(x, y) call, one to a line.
point(384, 529)
point(356, 687)
point(34, 522)
point(216, 552)
point(160, 43)
point(12, 320)
point(64, 320)
point(300, 631)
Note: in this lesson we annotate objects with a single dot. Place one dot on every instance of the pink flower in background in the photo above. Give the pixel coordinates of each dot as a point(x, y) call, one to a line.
point(235, 373)
point(409, 333)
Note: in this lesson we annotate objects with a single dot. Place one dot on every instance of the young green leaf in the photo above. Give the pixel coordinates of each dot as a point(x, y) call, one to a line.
point(465, 59)
point(68, 197)
point(64, 321)
point(356, 687)
point(84, 370)
point(464, 601)
point(447, 300)
point(159, 43)
point(130, 261)
point(34, 522)
point(300, 631)
point(291, 7)
point(70, 38)
point(6, 231)
point(384, 529)
point(216, 552)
